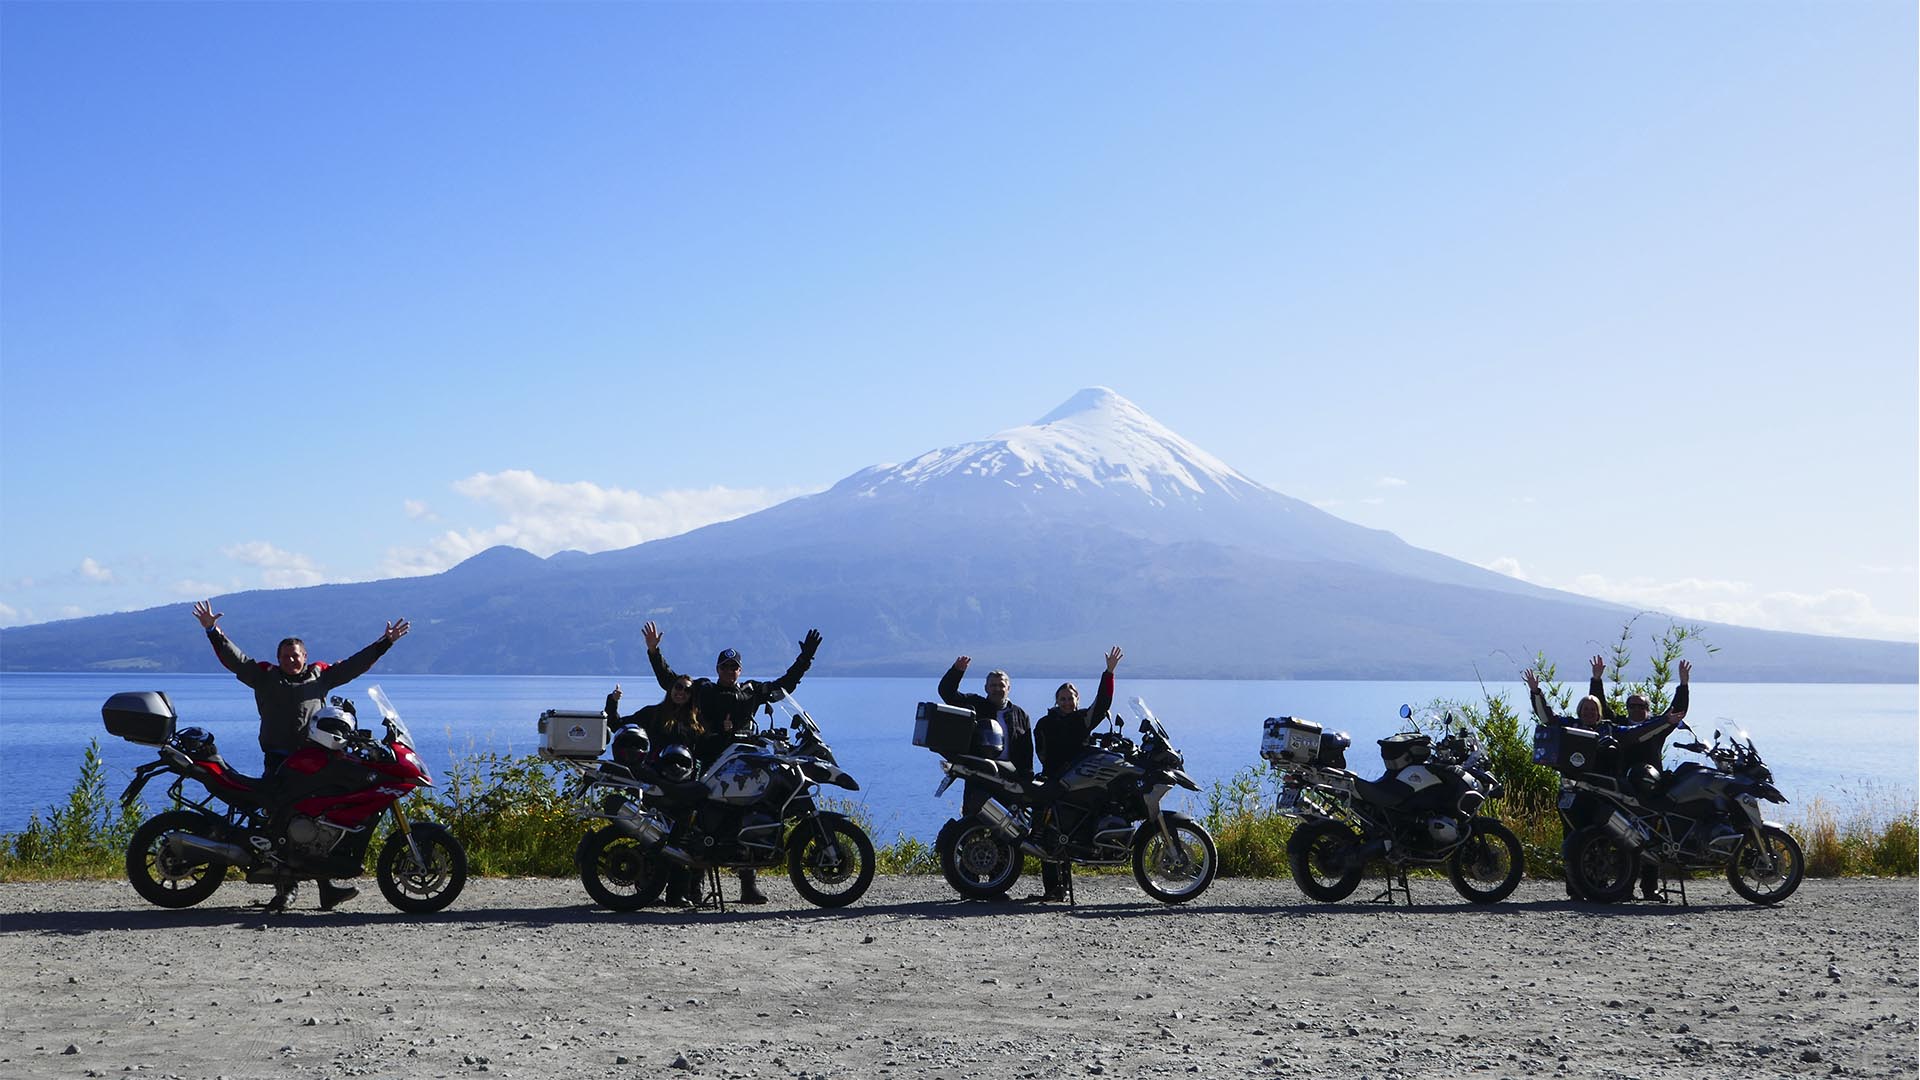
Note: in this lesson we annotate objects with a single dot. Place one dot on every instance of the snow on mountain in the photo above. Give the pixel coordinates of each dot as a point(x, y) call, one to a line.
point(1096, 440)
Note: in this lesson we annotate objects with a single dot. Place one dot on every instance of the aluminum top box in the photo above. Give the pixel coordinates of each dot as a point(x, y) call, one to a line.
point(566, 733)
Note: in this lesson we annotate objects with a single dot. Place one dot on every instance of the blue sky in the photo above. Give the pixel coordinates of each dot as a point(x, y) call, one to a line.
point(1619, 297)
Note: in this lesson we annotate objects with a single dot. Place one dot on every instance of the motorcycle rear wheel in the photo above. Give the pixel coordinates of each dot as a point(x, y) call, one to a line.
point(831, 861)
point(1772, 885)
point(976, 860)
point(617, 872)
point(1487, 867)
point(1601, 867)
point(159, 878)
point(428, 884)
point(1319, 856)
point(1174, 875)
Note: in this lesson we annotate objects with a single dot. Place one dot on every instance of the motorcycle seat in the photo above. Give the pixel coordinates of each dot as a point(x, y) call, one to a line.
point(1003, 769)
point(1386, 796)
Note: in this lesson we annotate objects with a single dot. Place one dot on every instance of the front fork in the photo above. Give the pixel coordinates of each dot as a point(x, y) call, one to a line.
point(1158, 820)
point(1763, 851)
point(406, 830)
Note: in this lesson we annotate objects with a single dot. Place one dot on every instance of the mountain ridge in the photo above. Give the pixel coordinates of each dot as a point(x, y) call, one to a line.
point(1042, 545)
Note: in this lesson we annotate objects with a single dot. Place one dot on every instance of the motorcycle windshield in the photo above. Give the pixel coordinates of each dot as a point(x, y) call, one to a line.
point(1149, 723)
point(788, 712)
point(396, 727)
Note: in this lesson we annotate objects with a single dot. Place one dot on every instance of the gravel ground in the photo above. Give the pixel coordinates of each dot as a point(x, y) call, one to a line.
point(522, 978)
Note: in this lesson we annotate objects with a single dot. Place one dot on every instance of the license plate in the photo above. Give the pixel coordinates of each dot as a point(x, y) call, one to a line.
point(1566, 799)
point(1289, 799)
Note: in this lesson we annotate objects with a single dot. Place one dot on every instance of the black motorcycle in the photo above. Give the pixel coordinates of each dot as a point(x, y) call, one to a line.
point(1422, 812)
point(1103, 810)
point(1697, 817)
point(754, 807)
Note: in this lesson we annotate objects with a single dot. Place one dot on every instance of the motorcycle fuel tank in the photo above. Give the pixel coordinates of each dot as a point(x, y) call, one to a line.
point(1096, 769)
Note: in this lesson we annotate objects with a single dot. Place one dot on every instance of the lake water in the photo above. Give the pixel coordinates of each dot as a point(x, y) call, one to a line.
point(1844, 743)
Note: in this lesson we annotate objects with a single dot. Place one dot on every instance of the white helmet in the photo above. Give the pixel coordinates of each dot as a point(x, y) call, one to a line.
point(330, 727)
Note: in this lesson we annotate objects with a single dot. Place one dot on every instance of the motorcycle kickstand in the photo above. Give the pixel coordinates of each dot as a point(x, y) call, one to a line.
point(712, 880)
point(1672, 884)
point(1400, 889)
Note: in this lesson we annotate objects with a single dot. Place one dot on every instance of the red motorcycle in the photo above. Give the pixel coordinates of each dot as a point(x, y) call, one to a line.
point(310, 821)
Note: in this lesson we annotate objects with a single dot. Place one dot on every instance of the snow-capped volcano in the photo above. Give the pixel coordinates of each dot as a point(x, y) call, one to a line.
point(1095, 440)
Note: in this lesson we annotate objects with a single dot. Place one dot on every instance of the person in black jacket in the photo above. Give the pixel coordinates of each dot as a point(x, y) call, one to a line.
point(1060, 737)
point(727, 704)
point(1001, 730)
point(673, 720)
point(1641, 738)
point(287, 694)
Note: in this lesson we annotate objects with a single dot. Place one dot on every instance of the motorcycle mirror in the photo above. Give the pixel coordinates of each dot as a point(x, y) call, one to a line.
point(1406, 712)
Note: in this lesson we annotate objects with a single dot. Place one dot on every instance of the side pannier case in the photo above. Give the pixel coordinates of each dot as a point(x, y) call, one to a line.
point(144, 717)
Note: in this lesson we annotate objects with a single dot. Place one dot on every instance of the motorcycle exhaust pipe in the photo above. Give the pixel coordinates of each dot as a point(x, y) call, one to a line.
point(632, 821)
point(195, 850)
point(1628, 831)
point(1001, 820)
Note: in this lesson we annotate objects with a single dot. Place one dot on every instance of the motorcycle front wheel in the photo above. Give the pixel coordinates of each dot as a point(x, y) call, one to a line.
point(162, 879)
point(1767, 875)
point(1600, 866)
point(831, 861)
point(1320, 857)
point(1487, 867)
point(1174, 873)
point(429, 882)
point(976, 860)
point(617, 872)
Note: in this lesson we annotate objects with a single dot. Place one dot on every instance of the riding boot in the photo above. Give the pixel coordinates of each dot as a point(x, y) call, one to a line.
point(282, 896)
point(679, 878)
point(750, 888)
point(332, 896)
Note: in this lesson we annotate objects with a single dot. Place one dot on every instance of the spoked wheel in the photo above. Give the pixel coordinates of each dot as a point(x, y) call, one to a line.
point(831, 861)
point(1320, 855)
point(163, 878)
point(617, 871)
point(1601, 867)
point(429, 881)
point(1174, 873)
point(1769, 871)
point(977, 861)
point(1487, 867)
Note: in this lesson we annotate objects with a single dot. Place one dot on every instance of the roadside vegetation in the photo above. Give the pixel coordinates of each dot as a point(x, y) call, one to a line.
point(514, 816)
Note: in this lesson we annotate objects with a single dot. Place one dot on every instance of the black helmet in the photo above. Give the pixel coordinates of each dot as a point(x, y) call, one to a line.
point(1644, 778)
point(630, 745)
point(676, 762)
point(195, 742)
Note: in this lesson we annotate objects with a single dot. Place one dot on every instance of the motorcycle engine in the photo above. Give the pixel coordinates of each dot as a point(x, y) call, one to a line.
point(310, 837)
point(1442, 830)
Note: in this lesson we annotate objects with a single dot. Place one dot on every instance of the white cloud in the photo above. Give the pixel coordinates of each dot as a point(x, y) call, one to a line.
point(202, 589)
point(419, 511)
point(1390, 482)
point(1845, 612)
point(93, 571)
point(1373, 500)
point(278, 569)
point(544, 516)
point(8, 614)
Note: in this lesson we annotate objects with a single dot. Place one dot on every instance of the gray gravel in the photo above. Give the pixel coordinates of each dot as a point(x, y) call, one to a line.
point(523, 979)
